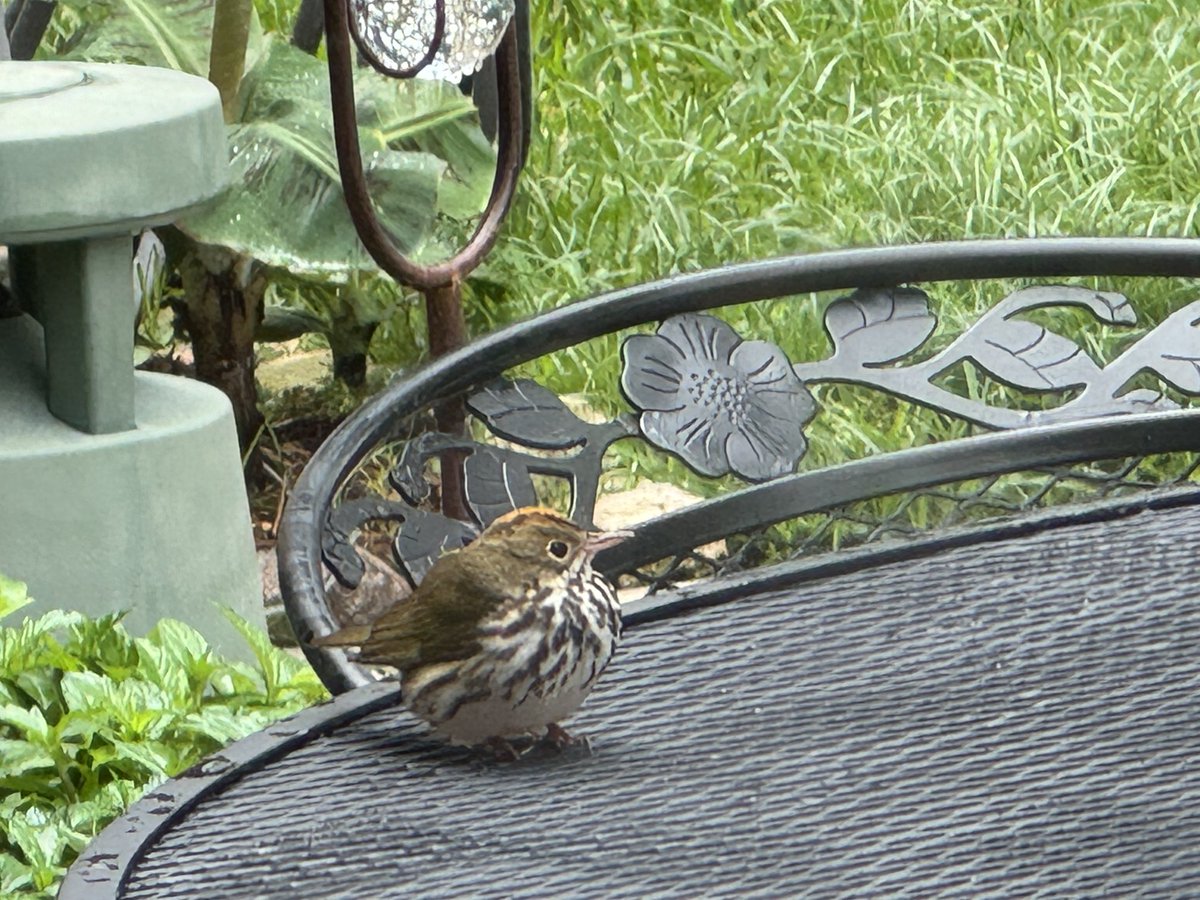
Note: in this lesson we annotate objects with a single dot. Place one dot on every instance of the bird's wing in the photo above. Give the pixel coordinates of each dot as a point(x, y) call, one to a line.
point(350, 636)
point(440, 621)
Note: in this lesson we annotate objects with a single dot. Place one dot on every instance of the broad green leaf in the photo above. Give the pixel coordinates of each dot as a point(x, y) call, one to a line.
point(86, 691)
point(13, 595)
point(286, 208)
point(40, 837)
point(15, 875)
point(437, 118)
point(175, 34)
point(41, 686)
point(219, 724)
point(105, 643)
point(27, 722)
point(20, 757)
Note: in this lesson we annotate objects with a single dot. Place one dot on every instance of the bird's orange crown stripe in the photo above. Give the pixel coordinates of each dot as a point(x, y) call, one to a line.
point(530, 512)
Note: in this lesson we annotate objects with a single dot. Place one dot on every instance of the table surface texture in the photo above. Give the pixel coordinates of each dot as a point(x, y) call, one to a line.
point(1006, 717)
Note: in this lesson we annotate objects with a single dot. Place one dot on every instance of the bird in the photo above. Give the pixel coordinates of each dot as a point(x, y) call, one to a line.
point(503, 638)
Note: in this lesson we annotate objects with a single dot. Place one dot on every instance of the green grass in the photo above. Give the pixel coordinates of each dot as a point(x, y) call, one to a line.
point(671, 137)
point(675, 136)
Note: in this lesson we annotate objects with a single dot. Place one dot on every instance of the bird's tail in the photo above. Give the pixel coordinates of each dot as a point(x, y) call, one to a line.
point(350, 636)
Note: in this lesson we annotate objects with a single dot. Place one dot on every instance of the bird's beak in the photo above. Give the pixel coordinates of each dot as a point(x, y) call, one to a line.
point(602, 540)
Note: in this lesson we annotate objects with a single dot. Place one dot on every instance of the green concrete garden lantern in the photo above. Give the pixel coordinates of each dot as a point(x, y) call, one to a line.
point(118, 489)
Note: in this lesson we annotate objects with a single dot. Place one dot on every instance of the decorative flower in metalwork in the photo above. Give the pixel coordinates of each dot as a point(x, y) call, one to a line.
point(396, 35)
point(720, 403)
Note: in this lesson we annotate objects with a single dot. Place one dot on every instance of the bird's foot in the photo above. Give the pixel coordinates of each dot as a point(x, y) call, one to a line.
point(503, 750)
point(560, 739)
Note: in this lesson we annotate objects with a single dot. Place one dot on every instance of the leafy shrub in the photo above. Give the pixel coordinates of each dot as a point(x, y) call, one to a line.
point(91, 717)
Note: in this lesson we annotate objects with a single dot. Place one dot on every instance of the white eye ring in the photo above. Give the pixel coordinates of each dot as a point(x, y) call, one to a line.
point(558, 549)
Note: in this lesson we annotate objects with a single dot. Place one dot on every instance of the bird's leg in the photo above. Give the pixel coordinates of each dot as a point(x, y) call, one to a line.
point(560, 738)
point(503, 750)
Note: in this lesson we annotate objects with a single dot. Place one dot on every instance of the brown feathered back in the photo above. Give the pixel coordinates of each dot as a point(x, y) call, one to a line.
point(440, 621)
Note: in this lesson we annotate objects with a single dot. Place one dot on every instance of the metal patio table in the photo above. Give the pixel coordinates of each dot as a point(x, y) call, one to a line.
point(1000, 710)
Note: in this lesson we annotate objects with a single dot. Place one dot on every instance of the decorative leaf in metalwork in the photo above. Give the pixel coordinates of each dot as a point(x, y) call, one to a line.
point(396, 35)
point(722, 404)
point(874, 327)
point(1107, 306)
point(424, 536)
point(497, 482)
point(1173, 349)
point(525, 412)
point(1025, 355)
point(337, 539)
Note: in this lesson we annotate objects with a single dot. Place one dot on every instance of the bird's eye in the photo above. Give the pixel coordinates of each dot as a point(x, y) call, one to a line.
point(558, 549)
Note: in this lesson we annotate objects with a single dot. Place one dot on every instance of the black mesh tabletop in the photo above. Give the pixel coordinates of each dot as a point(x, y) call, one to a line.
point(1012, 717)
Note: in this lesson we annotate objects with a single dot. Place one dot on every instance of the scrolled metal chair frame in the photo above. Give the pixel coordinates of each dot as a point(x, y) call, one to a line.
point(306, 517)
